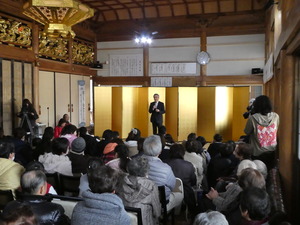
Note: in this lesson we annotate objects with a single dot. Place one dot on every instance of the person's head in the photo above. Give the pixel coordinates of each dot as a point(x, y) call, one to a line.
point(115, 134)
point(156, 97)
point(255, 204)
point(62, 123)
point(66, 117)
point(34, 182)
point(48, 133)
point(140, 144)
point(35, 165)
point(122, 152)
point(1, 132)
point(262, 105)
point(103, 179)
point(94, 163)
point(226, 150)
point(21, 215)
point(169, 139)
point(232, 143)
point(35, 142)
point(19, 133)
point(152, 145)
point(138, 167)
point(201, 139)
point(244, 164)
point(177, 151)
point(210, 218)
point(26, 102)
point(162, 130)
point(78, 146)
point(191, 137)
point(82, 131)
point(261, 167)
point(7, 150)
point(243, 151)
point(60, 146)
point(69, 129)
point(134, 135)
point(251, 178)
point(218, 138)
point(107, 135)
point(193, 146)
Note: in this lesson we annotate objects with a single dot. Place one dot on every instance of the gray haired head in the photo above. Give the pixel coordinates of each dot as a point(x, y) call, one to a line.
point(32, 181)
point(152, 145)
point(138, 166)
point(210, 218)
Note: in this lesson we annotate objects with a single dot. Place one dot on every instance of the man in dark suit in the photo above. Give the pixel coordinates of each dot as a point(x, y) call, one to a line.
point(156, 109)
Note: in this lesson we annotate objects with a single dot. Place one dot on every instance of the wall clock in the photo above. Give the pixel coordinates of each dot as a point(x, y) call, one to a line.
point(203, 58)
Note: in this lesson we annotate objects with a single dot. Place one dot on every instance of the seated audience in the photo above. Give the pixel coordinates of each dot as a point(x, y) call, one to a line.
point(249, 177)
point(131, 141)
point(22, 215)
point(121, 159)
point(165, 153)
point(57, 130)
point(186, 172)
point(34, 186)
point(66, 117)
point(255, 206)
point(23, 151)
point(222, 165)
point(210, 218)
point(107, 136)
point(35, 165)
point(214, 147)
point(92, 144)
point(94, 163)
point(197, 161)
point(57, 160)
point(70, 132)
point(139, 192)
point(45, 144)
point(159, 172)
point(101, 205)
point(10, 171)
point(140, 148)
point(79, 161)
point(108, 153)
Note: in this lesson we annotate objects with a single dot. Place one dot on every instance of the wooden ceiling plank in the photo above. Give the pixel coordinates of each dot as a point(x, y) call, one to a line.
point(125, 7)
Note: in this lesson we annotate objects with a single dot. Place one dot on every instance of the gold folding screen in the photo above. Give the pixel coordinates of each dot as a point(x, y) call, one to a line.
point(203, 110)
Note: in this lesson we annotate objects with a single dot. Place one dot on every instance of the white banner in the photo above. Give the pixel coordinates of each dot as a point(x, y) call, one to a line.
point(268, 69)
point(81, 105)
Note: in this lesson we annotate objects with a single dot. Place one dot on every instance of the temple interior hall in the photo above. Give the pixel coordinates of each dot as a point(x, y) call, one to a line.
point(101, 62)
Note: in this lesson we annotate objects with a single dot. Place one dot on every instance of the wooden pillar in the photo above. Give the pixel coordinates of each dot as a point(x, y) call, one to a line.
point(203, 68)
point(287, 126)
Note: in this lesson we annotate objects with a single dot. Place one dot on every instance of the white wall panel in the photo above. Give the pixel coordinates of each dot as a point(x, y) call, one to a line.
point(233, 67)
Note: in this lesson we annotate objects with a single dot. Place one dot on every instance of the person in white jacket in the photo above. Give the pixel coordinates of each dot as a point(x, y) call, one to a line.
point(57, 160)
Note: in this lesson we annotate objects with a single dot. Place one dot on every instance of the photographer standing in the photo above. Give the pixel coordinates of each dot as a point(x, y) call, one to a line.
point(27, 110)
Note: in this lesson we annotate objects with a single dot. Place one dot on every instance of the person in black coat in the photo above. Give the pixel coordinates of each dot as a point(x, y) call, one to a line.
point(34, 186)
point(157, 109)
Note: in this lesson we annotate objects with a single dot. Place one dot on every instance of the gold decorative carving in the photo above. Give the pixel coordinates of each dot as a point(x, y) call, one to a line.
point(53, 48)
point(15, 33)
point(58, 16)
point(82, 53)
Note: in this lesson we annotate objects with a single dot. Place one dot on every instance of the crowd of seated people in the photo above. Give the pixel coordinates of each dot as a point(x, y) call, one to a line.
point(217, 181)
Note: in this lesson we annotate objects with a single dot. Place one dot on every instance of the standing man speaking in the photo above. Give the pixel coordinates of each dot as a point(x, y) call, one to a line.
point(156, 109)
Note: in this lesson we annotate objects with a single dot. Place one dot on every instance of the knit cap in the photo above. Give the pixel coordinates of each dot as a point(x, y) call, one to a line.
point(78, 145)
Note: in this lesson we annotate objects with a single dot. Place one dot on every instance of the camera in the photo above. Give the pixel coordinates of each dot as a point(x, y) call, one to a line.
point(250, 109)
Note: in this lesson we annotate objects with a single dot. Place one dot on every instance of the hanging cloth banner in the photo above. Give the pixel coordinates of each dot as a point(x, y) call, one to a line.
point(81, 105)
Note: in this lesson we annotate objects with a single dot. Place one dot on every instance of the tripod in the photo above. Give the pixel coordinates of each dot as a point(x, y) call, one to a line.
point(25, 123)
